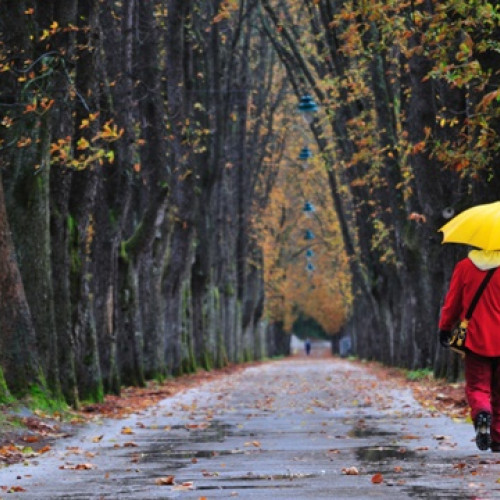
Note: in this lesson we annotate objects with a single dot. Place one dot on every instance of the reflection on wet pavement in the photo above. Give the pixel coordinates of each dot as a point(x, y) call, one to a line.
point(304, 429)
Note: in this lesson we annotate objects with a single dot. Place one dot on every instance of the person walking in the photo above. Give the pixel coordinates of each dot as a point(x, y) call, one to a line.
point(307, 346)
point(482, 344)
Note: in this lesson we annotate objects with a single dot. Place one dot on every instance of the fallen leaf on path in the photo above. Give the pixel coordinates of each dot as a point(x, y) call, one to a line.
point(201, 426)
point(350, 471)
point(15, 489)
point(165, 481)
point(11, 454)
point(130, 444)
point(377, 478)
point(187, 485)
point(441, 437)
point(206, 473)
point(85, 466)
point(31, 439)
point(253, 443)
point(127, 430)
point(97, 438)
point(77, 467)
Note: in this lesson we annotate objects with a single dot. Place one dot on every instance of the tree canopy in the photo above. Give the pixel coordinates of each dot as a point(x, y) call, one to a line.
point(153, 209)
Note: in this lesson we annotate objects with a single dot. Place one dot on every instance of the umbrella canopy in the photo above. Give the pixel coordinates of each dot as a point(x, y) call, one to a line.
point(478, 226)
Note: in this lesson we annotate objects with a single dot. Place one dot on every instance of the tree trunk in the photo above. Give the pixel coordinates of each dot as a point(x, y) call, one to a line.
point(18, 348)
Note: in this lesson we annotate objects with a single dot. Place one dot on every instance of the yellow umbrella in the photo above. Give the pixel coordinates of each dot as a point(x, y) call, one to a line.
point(478, 226)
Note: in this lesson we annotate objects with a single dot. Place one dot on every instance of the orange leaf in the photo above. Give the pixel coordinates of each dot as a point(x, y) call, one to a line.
point(187, 485)
point(14, 489)
point(31, 439)
point(165, 481)
point(377, 478)
point(84, 466)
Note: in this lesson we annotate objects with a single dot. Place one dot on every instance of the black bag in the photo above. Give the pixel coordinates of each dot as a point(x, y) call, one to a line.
point(459, 333)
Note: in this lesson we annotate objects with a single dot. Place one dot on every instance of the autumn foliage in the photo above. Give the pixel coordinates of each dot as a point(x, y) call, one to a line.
point(408, 127)
point(308, 277)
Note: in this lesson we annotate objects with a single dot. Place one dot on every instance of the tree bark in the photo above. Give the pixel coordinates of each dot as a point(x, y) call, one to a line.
point(18, 348)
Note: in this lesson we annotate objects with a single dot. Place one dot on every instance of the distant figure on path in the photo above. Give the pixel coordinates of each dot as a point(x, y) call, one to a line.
point(308, 346)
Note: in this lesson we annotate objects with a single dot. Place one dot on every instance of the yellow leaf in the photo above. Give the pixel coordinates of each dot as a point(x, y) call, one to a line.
point(82, 144)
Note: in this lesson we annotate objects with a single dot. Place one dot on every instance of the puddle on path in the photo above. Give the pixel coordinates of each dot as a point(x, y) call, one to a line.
point(384, 453)
point(247, 487)
point(173, 448)
point(286, 481)
point(366, 432)
point(436, 493)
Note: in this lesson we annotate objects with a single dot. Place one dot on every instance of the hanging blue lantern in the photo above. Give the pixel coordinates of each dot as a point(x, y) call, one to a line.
point(309, 235)
point(309, 253)
point(305, 153)
point(308, 208)
point(310, 266)
point(307, 106)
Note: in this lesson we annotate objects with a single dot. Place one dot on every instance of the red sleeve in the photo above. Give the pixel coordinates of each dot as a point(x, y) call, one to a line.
point(452, 307)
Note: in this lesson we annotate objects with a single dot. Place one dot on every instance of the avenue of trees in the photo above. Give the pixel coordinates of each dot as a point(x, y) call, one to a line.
point(408, 133)
point(151, 199)
point(133, 138)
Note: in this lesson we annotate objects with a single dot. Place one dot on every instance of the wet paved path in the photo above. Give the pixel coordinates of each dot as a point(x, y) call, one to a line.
point(298, 428)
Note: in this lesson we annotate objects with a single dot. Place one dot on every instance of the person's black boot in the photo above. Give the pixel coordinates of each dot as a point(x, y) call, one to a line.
point(482, 424)
point(495, 447)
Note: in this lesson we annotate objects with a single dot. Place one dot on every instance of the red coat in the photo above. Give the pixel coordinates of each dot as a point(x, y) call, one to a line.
point(483, 332)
